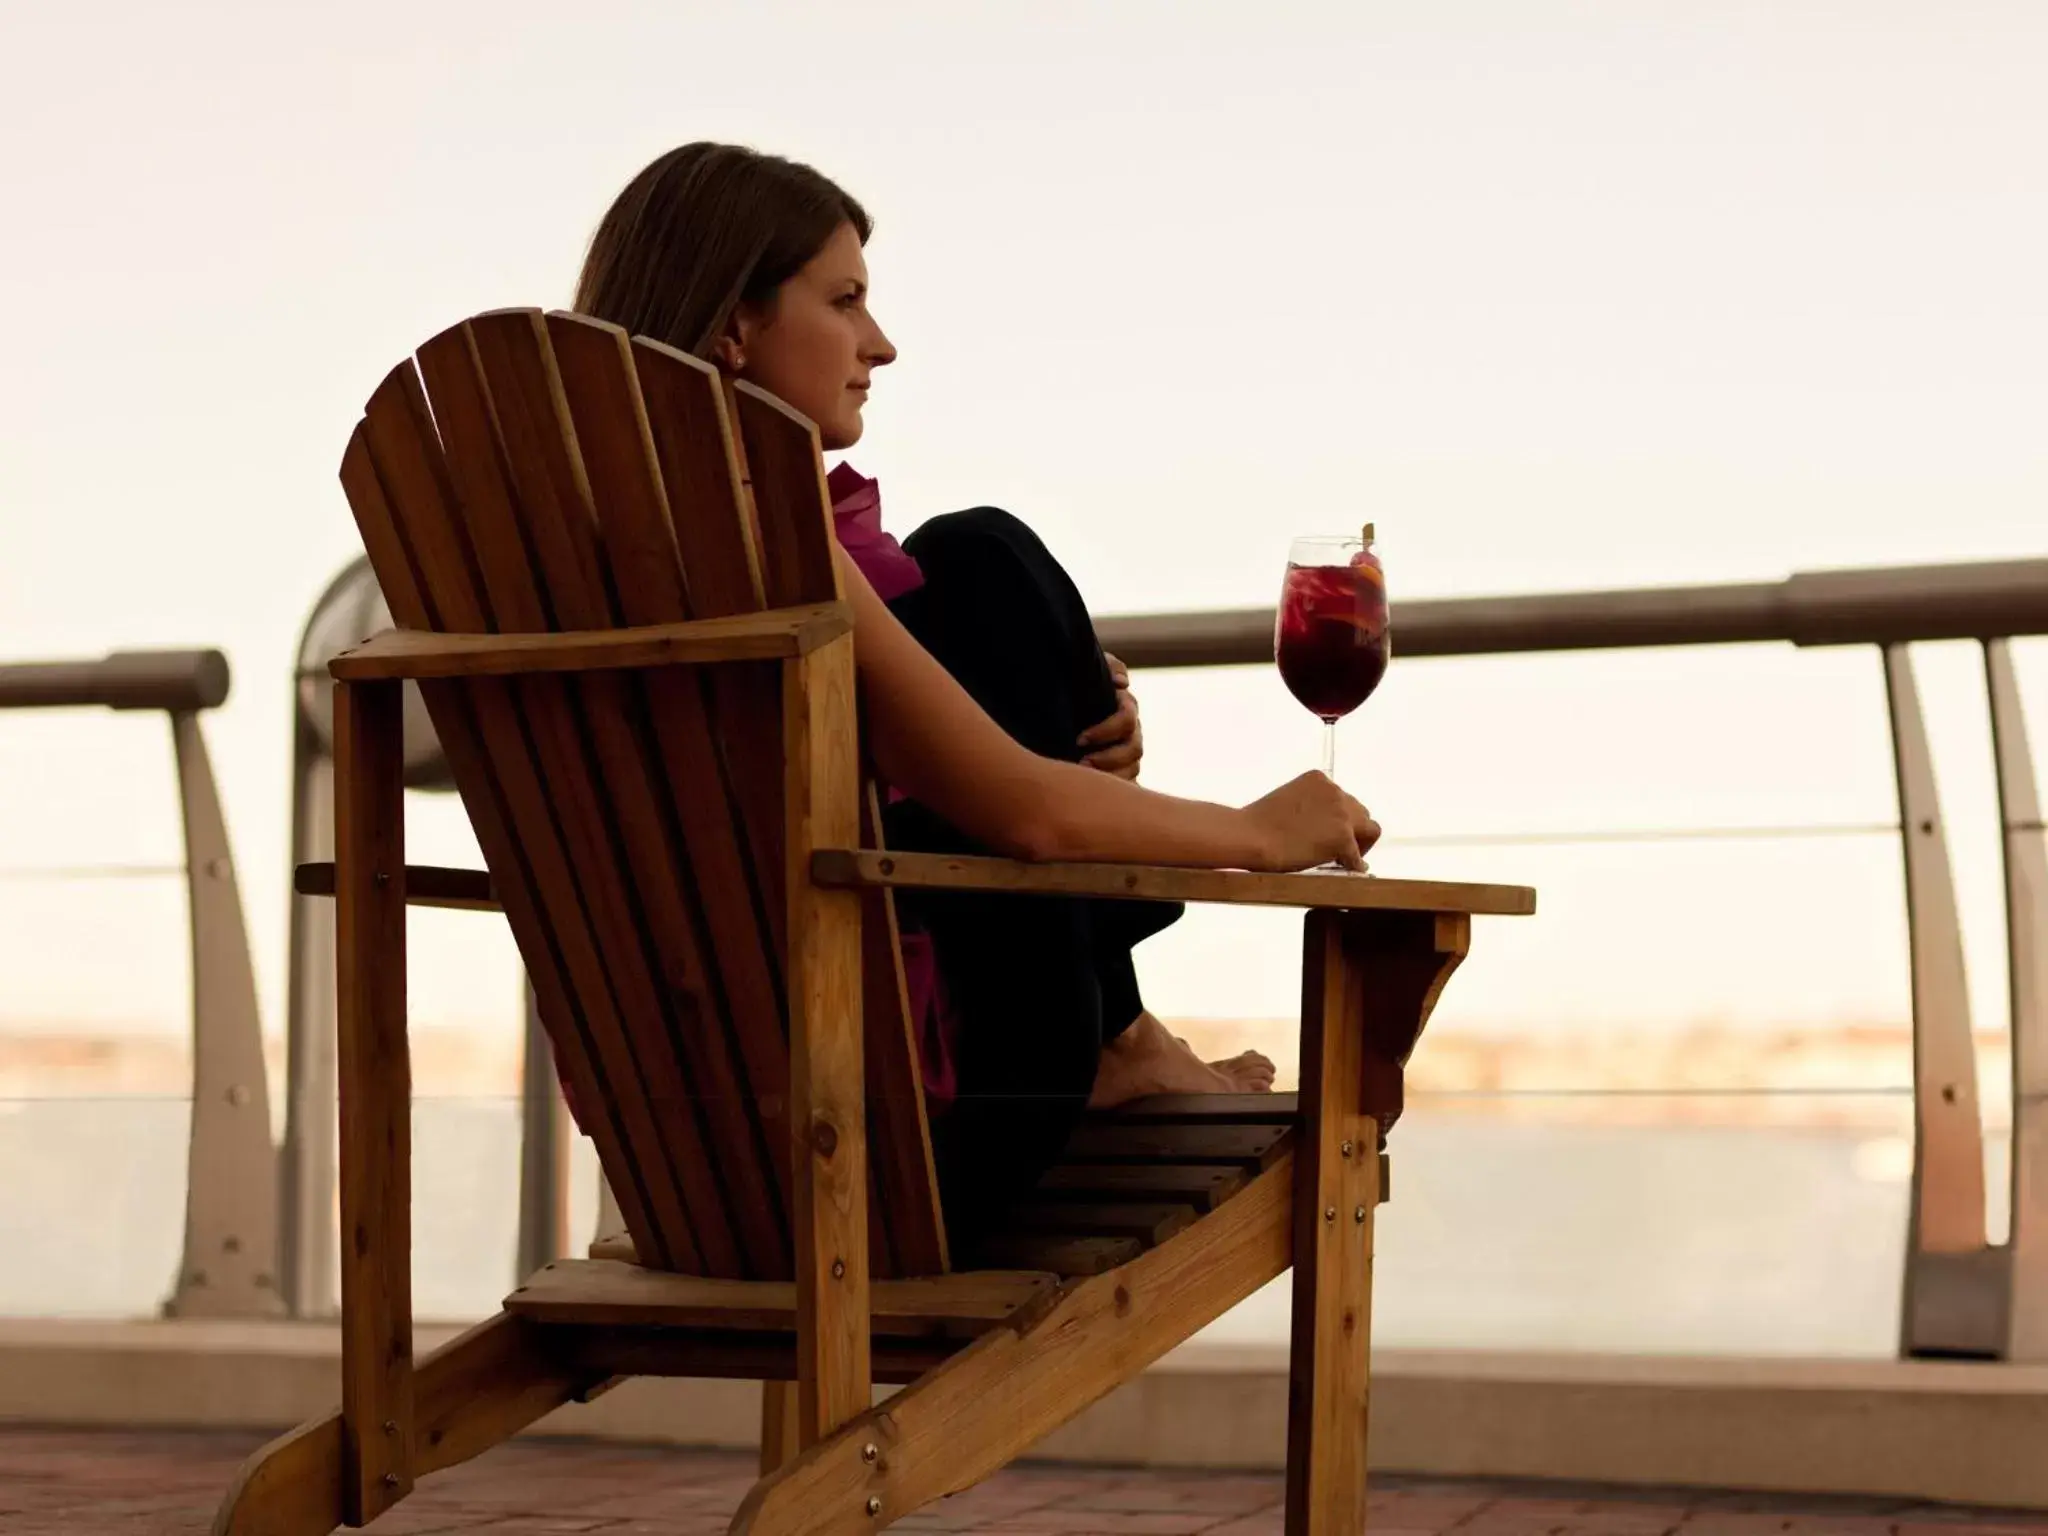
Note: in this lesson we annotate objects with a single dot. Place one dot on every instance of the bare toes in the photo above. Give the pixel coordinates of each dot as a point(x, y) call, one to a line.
point(1246, 1073)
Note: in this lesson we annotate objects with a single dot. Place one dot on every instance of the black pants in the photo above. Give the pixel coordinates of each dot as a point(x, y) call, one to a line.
point(1039, 984)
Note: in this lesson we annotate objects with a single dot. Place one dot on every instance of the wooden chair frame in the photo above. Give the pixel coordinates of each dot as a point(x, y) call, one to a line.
point(990, 1361)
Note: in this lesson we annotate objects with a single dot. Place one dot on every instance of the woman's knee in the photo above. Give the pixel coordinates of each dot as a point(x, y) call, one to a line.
point(990, 554)
point(986, 568)
point(1001, 615)
point(975, 528)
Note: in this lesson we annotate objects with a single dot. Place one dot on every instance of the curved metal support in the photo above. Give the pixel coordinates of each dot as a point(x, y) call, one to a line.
point(543, 1152)
point(1952, 1302)
point(610, 1219)
point(230, 1261)
point(308, 1220)
point(2026, 938)
point(350, 610)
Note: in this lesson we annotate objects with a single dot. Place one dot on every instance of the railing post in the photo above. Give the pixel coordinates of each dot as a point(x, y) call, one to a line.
point(350, 610)
point(610, 1219)
point(229, 1264)
point(543, 1152)
point(229, 1267)
point(307, 1173)
point(2026, 939)
point(1953, 1301)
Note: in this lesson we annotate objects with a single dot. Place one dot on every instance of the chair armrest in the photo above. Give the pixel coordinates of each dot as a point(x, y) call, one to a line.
point(426, 885)
point(417, 653)
point(1145, 882)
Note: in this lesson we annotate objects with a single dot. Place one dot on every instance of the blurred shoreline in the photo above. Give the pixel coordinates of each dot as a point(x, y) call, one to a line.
point(1851, 1076)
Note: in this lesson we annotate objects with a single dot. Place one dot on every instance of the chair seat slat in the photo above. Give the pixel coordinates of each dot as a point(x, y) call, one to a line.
point(601, 1291)
point(1204, 1186)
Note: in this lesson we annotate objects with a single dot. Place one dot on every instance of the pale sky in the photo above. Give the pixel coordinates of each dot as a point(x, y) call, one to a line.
point(1559, 295)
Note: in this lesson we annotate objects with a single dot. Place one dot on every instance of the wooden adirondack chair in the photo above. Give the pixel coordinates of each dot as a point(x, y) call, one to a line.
point(616, 591)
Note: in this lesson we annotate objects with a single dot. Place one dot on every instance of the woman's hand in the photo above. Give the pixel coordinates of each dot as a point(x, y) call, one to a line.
point(1308, 821)
point(1118, 742)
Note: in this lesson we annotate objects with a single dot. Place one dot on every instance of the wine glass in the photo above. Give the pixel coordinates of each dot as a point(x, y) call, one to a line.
point(1331, 638)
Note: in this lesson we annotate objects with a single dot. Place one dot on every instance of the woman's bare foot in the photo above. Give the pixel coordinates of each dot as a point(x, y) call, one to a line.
point(1148, 1058)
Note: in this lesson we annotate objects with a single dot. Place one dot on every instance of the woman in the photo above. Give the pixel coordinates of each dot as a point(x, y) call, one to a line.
point(989, 707)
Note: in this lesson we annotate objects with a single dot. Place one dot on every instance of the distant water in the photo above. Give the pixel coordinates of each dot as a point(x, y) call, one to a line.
point(1697, 1240)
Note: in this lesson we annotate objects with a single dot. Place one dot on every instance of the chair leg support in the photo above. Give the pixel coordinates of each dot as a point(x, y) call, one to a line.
point(477, 1390)
point(291, 1487)
point(1369, 982)
point(375, 1084)
point(827, 1083)
point(779, 1424)
point(984, 1407)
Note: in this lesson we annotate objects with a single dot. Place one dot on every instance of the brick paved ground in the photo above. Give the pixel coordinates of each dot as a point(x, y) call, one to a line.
point(88, 1483)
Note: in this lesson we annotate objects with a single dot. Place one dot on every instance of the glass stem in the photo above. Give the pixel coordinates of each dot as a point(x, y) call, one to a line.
point(1330, 750)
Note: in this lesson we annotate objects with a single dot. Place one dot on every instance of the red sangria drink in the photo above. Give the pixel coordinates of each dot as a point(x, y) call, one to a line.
point(1331, 637)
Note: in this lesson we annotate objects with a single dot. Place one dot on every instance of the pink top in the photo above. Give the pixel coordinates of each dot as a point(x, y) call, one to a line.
point(891, 571)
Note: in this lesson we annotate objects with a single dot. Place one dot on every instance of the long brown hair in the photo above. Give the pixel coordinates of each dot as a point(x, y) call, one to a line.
point(702, 229)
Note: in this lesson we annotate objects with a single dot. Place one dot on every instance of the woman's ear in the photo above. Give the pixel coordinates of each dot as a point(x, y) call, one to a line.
point(730, 350)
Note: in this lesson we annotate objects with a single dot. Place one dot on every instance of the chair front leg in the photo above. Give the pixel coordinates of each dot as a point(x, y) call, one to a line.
point(1369, 981)
point(827, 1083)
point(375, 1101)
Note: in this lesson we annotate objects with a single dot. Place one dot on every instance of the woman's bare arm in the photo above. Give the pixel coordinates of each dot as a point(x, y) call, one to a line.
point(931, 740)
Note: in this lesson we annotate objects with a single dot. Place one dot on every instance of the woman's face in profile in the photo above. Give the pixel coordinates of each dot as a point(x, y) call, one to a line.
point(815, 345)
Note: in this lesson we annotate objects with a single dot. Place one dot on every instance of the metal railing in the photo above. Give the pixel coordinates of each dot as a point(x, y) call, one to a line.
point(229, 1263)
point(1963, 1295)
point(1891, 605)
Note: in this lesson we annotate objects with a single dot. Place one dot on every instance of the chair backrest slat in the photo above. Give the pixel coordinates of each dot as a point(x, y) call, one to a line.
point(897, 1127)
point(786, 480)
point(742, 1060)
point(541, 461)
point(616, 816)
point(789, 498)
point(402, 443)
point(486, 748)
point(698, 457)
point(794, 510)
point(574, 741)
point(379, 530)
point(550, 474)
point(700, 468)
point(534, 722)
point(639, 544)
point(479, 472)
point(597, 795)
point(477, 476)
